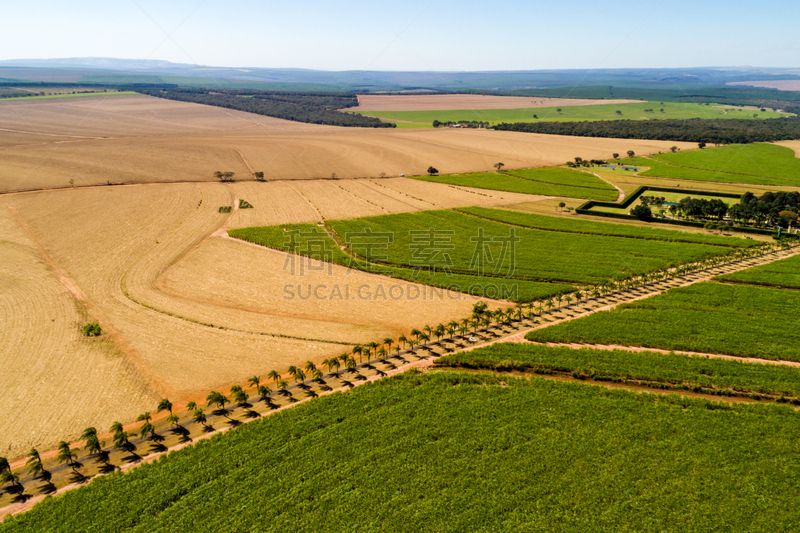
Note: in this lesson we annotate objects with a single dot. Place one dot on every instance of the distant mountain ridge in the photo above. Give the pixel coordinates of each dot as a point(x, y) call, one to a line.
point(100, 70)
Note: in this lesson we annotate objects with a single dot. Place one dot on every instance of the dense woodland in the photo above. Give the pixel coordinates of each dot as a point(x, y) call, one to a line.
point(710, 131)
point(314, 108)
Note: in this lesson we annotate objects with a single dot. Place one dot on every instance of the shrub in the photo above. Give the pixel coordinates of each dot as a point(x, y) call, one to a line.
point(92, 330)
point(244, 204)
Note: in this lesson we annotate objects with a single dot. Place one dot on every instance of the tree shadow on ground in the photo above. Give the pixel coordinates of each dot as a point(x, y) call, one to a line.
point(346, 383)
point(311, 393)
point(232, 422)
point(132, 458)
point(250, 414)
point(157, 447)
point(77, 477)
point(182, 433)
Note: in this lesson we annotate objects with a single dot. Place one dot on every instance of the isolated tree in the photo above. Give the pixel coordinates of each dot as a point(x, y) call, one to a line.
point(631, 153)
point(701, 145)
point(561, 205)
point(259, 176)
point(615, 155)
point(618, 112)
point(499, 166)
point(673, 149)
point(34, 463)
point(432, 171)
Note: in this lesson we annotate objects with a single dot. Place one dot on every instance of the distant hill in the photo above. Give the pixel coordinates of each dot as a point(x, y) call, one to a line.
point(111, 70)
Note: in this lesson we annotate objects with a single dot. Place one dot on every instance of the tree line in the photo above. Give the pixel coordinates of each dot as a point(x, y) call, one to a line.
point(710, 131)
point(310, 107)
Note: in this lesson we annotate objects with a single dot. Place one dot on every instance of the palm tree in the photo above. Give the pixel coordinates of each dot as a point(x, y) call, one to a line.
point(191, 406)
point(255, 381)
point(351, 364)
point(397, 351)
point(67, 455)
point(423, 338)
point(310, 367)
point(388, 343)
point(358, 350)
point(147, 431)
point(165, 405)
point(173, 419)
point(144, 417)
point(427, 329)
point(264, 392)
point(373, 346)
point(317, 375)
point(299, 375)
point(121, 437)
point(568, 299)
point(217, 398)
point(292, 370)
point(274, 376)
point(439, 332)
point(34, 463)
point(199, 416)
point(7, 476)
point(452, 327)
point(282, 384)
point(465, 322)
point(94, 445)
point(4, 465)
point(402, 339)
point(240, 397)
point(343, 358)
point(498, 315)
point(382, 354)
point(416, 333)
point(88, 433)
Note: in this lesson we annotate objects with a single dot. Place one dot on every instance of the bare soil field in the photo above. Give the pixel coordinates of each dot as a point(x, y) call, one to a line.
point(781, 85)
point(433, 102)
point(53, 380)
point(794, 145)
point(182, 311)
point(139, 139)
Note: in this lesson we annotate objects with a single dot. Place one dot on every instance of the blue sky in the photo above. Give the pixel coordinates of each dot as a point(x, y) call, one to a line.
point(410, 34)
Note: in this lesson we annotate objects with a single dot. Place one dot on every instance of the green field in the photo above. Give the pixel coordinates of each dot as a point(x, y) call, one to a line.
point(462, 452)
point(651, 368)
point(314, 242)
point(635, 111)
point(782, 274)
point(561, 224)
point(539, 255)
point(759, 164)
point(737, 320)
point(548, 181)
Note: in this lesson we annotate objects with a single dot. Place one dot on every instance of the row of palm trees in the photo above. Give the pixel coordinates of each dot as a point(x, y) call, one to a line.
point(481, 317)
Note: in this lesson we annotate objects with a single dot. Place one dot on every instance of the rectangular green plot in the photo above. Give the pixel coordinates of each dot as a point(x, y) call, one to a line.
point(312, 241)
point(537, 255)
point(531, 220)
point(540, 455)
point(783, 274)
point(671, 369)
point(562, 176)
point(736, 320)
point(758, 163)
point(599, 111)
point(508, 183)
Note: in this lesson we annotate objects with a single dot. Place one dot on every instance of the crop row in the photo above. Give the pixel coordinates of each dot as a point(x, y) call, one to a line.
point(781, 274)
point(396, 452)
point(737, 320)
point(567, 225)
point(656, 369)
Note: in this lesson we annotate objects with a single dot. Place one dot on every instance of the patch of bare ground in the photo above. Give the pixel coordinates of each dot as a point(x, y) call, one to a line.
point(418, 102)
point(139, 139)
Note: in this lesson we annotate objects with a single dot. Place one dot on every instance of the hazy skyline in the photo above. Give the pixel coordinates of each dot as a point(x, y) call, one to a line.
point(441, 35)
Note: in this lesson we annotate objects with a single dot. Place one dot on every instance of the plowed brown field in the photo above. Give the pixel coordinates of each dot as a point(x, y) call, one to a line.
point(139, 139)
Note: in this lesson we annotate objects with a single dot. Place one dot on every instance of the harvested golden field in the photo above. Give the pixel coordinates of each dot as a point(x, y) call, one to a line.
point(781, 85)
point(435, 102)
point(139, 139)
point(53, 380)
point(794, 145)
point(182, 311)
